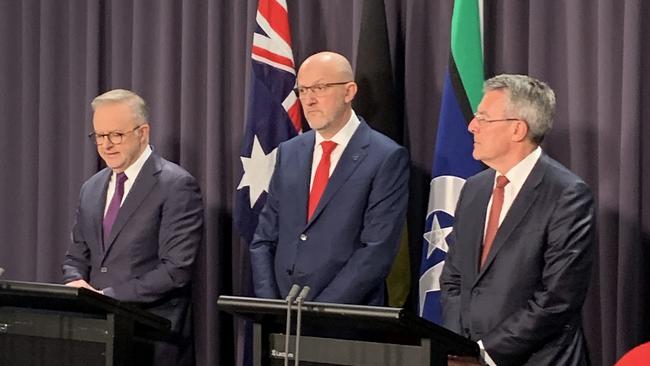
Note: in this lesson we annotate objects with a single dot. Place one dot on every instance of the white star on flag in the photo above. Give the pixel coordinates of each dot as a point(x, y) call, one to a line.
point(436, 238)
point(258, 170)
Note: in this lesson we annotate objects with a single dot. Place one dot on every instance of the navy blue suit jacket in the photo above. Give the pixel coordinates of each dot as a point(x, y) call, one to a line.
point(345, 251)
point(151, 249)
point(525, 303)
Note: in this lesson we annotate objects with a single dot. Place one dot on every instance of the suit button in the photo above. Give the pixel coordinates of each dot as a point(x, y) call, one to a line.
point(103, 270)
point(289, 272)
point(476, 291)
point(303, 237)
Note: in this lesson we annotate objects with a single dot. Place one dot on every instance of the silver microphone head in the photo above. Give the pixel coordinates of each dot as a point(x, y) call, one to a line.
point(303, 293)
point(293, 292)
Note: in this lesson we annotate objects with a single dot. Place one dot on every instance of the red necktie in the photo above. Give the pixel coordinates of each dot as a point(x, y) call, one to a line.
point(321, 177)
point(495, 212)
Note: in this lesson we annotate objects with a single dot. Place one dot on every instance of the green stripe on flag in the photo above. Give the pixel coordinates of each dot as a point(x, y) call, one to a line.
point(466, 48)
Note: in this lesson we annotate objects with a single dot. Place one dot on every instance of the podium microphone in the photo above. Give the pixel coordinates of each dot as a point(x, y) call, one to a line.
point(289, 299)
point(299, 300)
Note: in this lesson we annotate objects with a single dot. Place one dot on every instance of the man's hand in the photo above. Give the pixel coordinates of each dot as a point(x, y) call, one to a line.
point(462, 361)
point(82, 283)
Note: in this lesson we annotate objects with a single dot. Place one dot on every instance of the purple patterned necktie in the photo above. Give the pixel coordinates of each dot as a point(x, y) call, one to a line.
point(114, 206)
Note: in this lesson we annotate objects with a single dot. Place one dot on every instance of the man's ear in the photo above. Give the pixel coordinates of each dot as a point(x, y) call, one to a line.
point(520, 131)
point(144, 130)
point(350, 91)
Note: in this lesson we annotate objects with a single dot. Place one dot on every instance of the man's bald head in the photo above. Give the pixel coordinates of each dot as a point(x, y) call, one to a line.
point(330, 63)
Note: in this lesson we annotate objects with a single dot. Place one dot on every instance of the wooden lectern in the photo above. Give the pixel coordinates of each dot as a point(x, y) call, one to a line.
point(46, 324)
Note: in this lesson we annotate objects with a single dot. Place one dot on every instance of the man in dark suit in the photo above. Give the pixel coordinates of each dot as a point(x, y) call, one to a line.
point(337, 198)
point(516, 276)
point(138, 224)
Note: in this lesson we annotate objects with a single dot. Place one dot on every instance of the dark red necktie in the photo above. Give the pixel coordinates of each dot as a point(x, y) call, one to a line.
point(493, 220)
point(114, 206)
point(321, 177)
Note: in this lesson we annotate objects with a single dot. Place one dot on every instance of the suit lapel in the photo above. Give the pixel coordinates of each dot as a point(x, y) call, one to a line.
point(303, 171)
point(520, 206)
point(146, 180)
point(482, 198)
point(352, 156)
point(99, 202)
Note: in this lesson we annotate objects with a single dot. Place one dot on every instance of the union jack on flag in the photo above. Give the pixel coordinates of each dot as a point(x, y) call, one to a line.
point(273, 114)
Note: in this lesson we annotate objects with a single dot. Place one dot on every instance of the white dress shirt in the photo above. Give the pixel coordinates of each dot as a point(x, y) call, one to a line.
point(517, 177)
point(131, 174)
point(342, 138)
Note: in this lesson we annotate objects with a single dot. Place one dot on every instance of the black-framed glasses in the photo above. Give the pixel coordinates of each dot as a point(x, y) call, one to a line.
point(482, 120)
point(317, 90)
point(114, 137)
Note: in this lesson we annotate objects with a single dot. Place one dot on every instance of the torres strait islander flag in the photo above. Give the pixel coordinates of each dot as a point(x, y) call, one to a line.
point(452, 161)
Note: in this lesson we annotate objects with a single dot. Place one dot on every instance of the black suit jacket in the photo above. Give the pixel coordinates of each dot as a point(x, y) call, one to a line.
point(525, 303)
point(151, 249)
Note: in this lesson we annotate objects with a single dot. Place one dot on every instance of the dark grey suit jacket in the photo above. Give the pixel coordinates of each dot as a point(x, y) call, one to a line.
point(525, 303)
point(151, 249)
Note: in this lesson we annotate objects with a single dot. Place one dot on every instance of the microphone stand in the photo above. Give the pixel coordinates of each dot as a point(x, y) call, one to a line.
point(299, 300)
point(292, 295)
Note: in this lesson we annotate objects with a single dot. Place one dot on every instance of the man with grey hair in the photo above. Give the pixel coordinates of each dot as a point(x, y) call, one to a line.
point(517, 273)
point(138, 224)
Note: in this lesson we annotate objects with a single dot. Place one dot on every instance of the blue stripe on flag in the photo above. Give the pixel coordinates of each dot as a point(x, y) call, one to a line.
point(452, 164)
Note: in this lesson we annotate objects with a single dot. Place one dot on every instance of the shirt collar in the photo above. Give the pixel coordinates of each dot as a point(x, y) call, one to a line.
point(134, 169)
point(517, 174)
point(344, 135)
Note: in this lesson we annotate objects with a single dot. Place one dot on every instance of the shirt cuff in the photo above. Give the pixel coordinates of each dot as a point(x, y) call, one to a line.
point(108, 291)
point(485, 356)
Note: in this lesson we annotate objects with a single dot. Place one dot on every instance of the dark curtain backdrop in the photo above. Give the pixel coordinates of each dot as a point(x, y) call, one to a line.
point(189, 60)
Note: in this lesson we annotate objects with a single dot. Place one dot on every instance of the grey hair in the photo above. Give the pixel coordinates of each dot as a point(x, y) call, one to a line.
point(137, 104)
point(530, 99)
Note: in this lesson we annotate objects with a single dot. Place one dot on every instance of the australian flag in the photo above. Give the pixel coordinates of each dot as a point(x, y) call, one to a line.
point(273, 111)
point(452, 161)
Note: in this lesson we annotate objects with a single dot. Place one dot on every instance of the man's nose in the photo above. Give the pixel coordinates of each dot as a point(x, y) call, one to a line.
point(310, 99)
point(472, 127)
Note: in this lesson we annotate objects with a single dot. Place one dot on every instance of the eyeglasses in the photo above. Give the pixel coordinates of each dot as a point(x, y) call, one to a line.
point(482, 120)
point(318, 89)
point(114, 137)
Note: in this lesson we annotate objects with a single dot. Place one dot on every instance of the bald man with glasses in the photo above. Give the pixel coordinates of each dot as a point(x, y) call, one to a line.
point(337, 198)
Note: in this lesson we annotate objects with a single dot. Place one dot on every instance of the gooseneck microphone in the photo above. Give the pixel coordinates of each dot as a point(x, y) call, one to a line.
point(301, 297)
point(289, 299)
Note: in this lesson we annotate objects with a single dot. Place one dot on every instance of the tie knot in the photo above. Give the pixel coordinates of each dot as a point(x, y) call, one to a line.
point(502, 181)
point(121, 178)
point(328, 147)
